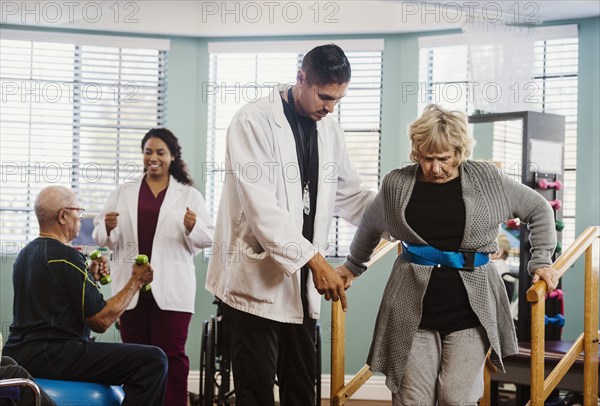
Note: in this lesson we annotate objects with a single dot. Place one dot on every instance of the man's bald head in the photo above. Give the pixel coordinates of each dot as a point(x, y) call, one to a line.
point(50, 200)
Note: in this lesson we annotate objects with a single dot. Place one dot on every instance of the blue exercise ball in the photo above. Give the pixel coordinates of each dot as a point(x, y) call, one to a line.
point(70, 393)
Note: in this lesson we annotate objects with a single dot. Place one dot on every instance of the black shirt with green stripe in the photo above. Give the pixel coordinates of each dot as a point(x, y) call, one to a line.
point(53, 293)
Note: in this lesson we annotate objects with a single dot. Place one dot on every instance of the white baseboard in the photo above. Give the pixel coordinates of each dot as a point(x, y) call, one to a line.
point(194, 381)
point(373, 389)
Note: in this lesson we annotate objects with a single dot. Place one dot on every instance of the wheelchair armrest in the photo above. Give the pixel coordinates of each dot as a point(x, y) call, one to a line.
point(15, 382)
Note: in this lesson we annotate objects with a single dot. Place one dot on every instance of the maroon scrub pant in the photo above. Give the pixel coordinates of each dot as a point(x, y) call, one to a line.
point(168, 330)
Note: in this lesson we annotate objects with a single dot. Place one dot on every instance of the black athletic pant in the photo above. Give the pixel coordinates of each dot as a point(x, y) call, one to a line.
point(141, 369)
point(263, 348)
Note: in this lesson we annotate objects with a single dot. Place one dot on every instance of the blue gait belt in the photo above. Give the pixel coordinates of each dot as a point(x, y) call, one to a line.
point(428, 255)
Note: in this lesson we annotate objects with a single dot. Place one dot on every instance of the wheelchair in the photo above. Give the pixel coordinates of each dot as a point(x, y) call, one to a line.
point(215, 363)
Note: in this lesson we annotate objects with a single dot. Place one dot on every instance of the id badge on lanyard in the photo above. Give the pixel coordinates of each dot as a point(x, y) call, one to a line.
point(306, 199)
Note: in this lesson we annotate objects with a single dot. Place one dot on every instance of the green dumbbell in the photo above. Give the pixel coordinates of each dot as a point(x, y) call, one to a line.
point(143, 260)
point(559, 225)
point(558, 249)
point(94, 255)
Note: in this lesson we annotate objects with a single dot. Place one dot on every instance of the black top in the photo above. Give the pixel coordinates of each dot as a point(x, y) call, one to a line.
point(305, 135)
point(436, 212)
point(54, 294)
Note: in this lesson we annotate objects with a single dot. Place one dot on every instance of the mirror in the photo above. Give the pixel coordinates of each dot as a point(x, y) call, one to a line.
point(502, 143)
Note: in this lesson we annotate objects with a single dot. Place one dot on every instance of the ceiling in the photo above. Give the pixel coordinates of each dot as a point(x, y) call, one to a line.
point(281, 18)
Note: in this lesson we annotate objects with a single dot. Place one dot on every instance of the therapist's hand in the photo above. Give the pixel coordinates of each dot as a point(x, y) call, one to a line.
point(111, 221)
point(189, 220)
point(327, 282)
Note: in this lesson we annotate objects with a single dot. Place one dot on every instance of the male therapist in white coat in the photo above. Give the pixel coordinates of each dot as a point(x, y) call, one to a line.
point(287, 175)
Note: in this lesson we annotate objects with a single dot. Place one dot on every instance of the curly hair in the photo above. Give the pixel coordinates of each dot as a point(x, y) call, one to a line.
point(439, 130)
point(178, 167)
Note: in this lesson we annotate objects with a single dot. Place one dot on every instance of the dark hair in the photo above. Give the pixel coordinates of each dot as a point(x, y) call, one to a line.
point(326, 64)
point(178, 167)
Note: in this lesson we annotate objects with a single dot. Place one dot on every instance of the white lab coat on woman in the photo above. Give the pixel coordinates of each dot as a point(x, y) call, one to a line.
point(173, 249)
point(258, 246)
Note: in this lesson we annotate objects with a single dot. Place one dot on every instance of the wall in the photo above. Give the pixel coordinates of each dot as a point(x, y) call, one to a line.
point(588, 167)
point(187, 117)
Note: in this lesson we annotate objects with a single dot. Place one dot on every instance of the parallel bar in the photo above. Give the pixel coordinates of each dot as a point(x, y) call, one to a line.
point(338, 320)
point(488, 370)
point(538, 311)
point(536, 294)
point(579, 246)
point(590, 331)
point(338, 345)
point(561, 369)
point(355, 383)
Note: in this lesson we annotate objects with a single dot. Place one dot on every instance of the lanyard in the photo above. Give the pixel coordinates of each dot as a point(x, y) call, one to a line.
point(304, 153)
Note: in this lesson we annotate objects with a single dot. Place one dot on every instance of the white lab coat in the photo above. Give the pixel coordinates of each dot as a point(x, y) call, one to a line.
point(173, 249)
point(258, 246)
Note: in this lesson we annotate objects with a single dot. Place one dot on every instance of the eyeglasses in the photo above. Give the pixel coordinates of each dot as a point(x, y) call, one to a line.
point(79, 209)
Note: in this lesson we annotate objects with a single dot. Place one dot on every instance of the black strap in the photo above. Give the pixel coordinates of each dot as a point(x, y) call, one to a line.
point(303, 148)
point(308, 158)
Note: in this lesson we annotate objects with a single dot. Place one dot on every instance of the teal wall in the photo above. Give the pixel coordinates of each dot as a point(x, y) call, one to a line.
point(6, 294)
point(187, 117)
point(588, 167)
point(484, 140)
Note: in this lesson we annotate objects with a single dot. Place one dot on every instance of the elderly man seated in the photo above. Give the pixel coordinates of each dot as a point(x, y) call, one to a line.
point(57, 302)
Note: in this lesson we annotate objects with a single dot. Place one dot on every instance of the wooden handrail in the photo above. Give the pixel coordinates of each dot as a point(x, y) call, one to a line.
point(338, 391)
point(350, 389)
point(563, 366)
point(568, 258)
point(488, 370)
point(588, 341)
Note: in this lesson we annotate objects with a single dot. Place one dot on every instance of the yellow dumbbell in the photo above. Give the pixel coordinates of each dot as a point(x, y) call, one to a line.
point(143, 260)
point(106, 279)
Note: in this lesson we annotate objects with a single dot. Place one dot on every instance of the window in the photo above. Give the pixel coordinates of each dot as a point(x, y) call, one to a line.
point(444, 79)
point(74, 109)
point(241, 73)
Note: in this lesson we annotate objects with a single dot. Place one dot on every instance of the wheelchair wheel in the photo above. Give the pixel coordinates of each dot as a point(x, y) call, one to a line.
point(318, 375)
point(224, 394)
point(207, 363)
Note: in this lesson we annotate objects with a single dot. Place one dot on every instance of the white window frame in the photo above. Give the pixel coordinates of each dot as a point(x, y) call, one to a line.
point(19, 224)
point(542, 36)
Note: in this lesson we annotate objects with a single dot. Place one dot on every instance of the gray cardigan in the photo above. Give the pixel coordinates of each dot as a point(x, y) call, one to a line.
point(490, 199)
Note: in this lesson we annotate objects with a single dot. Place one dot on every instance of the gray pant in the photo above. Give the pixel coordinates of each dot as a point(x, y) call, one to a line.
point(447, 369)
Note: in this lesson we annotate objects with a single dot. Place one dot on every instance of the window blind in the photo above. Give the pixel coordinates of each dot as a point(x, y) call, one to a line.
point(444, 79)
point(556, 69)
point(73, 114)
point(238, 76)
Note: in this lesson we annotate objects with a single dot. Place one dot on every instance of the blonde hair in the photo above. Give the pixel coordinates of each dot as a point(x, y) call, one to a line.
point(438, 130)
